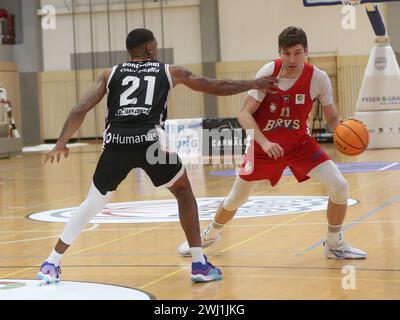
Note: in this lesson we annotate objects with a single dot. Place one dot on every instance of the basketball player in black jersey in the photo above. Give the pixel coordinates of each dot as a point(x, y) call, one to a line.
point(137, 108)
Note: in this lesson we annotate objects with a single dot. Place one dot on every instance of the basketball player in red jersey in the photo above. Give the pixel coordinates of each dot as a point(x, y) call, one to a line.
point(282, 139)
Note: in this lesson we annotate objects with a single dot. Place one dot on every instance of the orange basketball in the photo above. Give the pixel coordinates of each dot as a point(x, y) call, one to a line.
point(351, 137)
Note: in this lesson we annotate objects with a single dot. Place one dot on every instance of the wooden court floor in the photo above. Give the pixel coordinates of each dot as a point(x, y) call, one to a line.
point(272, 257)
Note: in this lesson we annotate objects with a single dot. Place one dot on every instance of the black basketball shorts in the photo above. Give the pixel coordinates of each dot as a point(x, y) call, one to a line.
point(125, 150)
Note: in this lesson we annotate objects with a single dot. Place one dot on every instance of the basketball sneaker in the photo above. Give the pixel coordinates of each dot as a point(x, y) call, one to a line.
point(206, 241)
point(49, 273)
point(342, 250)
point(205, 272)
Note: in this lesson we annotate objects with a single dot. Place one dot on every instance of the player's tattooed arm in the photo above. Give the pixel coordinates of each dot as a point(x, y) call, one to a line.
point(88, 102)
point(195, 82)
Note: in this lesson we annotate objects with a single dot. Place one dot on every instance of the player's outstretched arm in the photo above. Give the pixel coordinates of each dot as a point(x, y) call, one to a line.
point(247, 121)
point(216, 87)
point(77, 115)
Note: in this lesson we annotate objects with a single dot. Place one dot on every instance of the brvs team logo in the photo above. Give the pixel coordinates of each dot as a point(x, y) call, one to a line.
point(272, 108)
point(167, 210)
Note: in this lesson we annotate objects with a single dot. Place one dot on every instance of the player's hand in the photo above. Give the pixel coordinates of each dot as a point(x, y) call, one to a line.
point(57, 151)
point(273, 150)
point(265, 84)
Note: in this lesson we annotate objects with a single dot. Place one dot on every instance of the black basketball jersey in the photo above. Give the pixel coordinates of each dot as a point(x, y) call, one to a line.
point(138, 93)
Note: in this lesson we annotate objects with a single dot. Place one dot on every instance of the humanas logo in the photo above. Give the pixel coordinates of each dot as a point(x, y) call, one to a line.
point(167, 210)
point(120, 139)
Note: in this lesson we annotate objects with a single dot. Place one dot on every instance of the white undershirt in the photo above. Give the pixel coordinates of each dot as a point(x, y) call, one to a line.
point(320, 88)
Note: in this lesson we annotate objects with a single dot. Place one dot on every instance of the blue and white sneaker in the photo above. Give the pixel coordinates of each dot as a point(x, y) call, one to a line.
point(205, 272)
point(342, 250)
point(49, 273)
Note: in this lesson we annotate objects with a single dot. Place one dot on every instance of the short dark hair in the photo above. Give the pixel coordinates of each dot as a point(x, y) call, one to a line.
point(292, 36)
point(138, 37)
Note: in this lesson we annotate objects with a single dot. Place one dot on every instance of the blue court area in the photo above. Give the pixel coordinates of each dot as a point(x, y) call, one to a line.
point(351, 167)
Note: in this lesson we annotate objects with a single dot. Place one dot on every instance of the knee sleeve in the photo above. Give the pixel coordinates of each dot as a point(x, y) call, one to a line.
point(239, 194)
point(330, 177)
point(339, 191)
point(93, 204)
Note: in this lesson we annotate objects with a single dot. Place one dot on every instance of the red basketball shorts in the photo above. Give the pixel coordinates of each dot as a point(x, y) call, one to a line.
point(300, 159)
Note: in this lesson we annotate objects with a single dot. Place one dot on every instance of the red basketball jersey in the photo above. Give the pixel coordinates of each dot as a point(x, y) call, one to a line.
point(282, 115)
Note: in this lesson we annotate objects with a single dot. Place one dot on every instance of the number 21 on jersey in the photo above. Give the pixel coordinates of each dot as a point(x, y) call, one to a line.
point(134, 83)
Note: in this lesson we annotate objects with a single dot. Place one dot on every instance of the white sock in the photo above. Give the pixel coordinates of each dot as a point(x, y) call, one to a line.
point(197, 255)
point(214, 229)
point(334, 234)
point(54, 258)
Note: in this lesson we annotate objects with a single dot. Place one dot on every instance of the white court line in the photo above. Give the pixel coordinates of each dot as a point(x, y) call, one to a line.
point(389, 166)
point(227, 227)
point(248, 225)
point(43, 238)
point(11, 217)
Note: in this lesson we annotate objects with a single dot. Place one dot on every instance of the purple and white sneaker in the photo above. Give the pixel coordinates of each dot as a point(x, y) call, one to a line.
point(49, 273)
point(205, 272)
